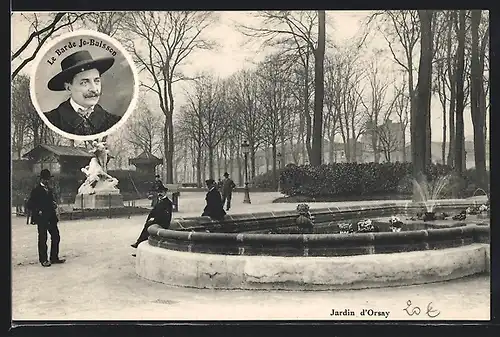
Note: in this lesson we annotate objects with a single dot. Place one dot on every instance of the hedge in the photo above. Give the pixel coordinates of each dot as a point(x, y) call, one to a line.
point(360, 179)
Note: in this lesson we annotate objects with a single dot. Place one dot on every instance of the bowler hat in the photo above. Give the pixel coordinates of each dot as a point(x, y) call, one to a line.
point(226, 174)
point(45, 174)
point(209, 181)
point(75, 63)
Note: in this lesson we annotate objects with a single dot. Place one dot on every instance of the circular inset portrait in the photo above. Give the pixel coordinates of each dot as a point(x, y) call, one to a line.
point(84, 85)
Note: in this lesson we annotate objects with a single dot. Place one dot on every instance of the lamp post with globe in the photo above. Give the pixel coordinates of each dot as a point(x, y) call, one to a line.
point(245, 148)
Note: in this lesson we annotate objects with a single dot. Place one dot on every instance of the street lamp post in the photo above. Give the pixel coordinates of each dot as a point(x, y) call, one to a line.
point(245, 148)
point(278, 155)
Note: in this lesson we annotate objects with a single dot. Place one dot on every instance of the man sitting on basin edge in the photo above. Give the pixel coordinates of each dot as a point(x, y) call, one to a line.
point(161, 215)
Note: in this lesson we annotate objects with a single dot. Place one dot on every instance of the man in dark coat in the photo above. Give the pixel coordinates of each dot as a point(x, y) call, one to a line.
point(42, 206)
point(227, 190)
point(81, 78)
point(161, 214)
point(214, 208)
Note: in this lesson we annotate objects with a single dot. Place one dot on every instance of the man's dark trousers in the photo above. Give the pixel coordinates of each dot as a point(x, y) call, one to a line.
point(228, 198)
point(43, 228)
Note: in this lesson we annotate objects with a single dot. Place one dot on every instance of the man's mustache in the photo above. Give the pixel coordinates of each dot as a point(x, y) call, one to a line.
point(92, 95)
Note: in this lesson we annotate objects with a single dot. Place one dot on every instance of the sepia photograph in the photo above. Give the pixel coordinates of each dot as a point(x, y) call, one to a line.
point(318, 165)
point(84, 83)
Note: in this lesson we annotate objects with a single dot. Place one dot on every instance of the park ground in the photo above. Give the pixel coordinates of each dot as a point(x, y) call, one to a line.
point(98, 281)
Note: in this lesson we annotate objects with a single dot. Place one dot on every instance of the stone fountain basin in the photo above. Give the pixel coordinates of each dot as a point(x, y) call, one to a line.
point(230, 257)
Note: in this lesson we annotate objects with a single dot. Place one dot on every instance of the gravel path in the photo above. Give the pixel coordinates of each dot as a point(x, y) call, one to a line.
point(98, 282)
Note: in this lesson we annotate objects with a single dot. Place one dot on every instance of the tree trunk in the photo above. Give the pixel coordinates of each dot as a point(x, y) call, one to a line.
point(168, 144)
point(452, 74)
point(240, 171)
point(459, 118)
point(319, 92)
point(211, 163)
point(476, 91)
point(421, 111)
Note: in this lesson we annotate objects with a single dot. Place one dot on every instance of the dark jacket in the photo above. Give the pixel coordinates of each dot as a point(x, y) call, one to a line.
point(65, 118)
point(42, 206)
point(227, 186)
point(214, 208)
point(161, 214)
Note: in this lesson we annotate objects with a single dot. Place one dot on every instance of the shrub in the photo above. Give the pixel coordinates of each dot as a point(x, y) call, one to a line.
point(266, 180)
point(358, 179)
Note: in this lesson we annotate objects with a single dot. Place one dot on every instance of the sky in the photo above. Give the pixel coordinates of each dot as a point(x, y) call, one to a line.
point(232, 55)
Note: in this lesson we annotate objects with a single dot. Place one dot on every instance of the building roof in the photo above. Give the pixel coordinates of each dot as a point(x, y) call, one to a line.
point(61, 151)
point(145, 158)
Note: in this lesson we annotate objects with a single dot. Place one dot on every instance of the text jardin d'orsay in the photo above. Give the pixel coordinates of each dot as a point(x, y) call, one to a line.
point(364, 312)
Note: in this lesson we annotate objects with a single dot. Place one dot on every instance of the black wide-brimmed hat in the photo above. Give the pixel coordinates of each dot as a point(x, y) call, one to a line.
point(76, 63)
point(226, 174)
point(45, 174)
point(210, 181)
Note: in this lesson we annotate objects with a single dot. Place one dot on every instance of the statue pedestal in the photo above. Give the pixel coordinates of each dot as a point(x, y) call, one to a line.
point(99, 200)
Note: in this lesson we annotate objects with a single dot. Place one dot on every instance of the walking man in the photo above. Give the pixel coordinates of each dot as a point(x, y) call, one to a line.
point(161, 214)
point(227, 190)
point(214, 208)
point(42, 205)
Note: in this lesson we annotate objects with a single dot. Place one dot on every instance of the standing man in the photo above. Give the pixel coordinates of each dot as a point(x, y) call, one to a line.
point(227, 190)
point(214, 208)
point(42, 205)
point(161, 214)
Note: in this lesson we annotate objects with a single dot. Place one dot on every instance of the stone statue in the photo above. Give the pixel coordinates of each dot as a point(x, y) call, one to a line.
point(98, 181)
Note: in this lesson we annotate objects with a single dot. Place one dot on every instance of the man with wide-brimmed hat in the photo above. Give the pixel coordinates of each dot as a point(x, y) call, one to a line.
point(80, 76)
point(42, 206)
point(161, 214)
point(227, 190)
point(214, 208)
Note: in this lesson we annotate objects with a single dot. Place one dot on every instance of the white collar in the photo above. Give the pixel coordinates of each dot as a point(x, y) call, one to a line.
point(44, 186)
point(77, 106)
point(211, 188)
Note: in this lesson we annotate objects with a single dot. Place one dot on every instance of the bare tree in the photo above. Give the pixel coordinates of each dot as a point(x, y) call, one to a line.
point(249, 122)
point(189, 125)
point(109, 23)
point(347, 97)
point(209, 106)
point(331, 104)
point(21, 110)
point(144, 128)
point(166, 41)
point(120, 148)
point(420, 115)
point(282, 27)
point(275, 101)
point(377, 102)
point(389, 139)
point(477, 92)
point(43, 26)
point(459, 116)
point(401, 106)
point(28, 129)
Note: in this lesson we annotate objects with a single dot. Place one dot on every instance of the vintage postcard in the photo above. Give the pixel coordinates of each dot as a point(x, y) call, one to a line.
point(250, 165)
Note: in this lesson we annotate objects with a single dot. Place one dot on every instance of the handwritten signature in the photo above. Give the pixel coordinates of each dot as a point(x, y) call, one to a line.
point(415, 310)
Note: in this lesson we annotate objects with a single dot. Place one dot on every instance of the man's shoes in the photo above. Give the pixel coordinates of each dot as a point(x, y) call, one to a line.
point(134, 245)
point(46, 264)
point(58, 261)
point(134, 255)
